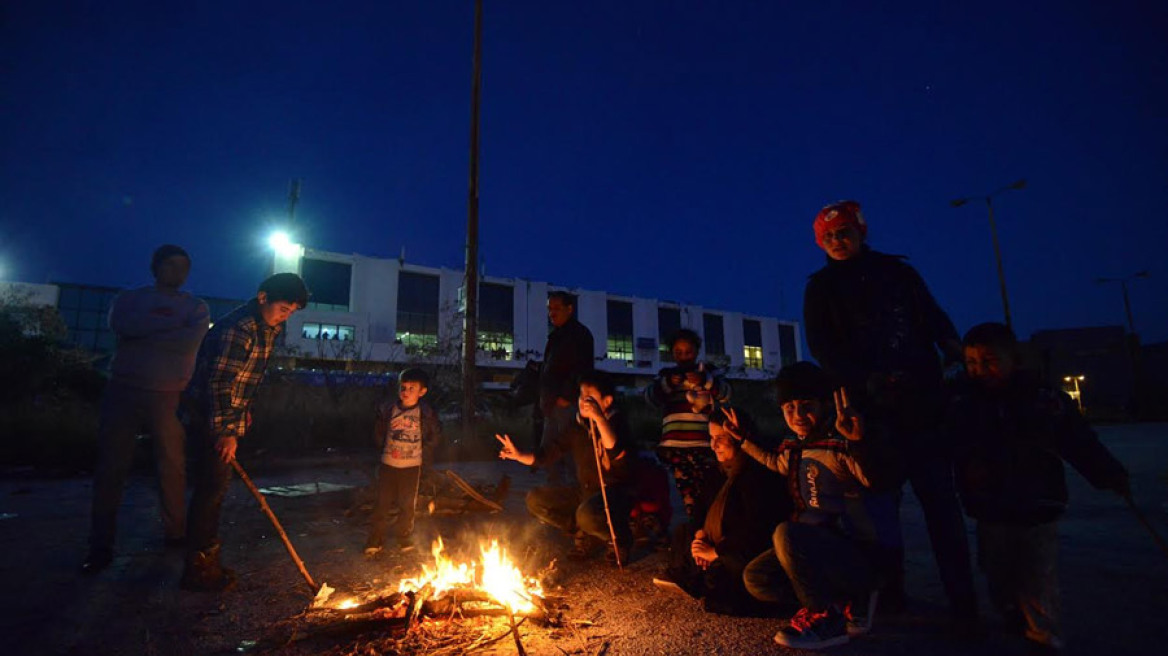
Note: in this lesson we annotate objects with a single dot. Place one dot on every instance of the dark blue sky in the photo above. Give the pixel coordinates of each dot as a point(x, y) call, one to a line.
point(668, 149)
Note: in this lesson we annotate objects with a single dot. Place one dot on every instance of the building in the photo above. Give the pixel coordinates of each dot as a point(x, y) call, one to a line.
point(375, 310)
point(386, 310)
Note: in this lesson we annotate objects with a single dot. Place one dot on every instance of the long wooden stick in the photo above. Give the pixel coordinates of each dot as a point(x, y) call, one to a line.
point(603, 494)
point(255, 492)
point(515, 632)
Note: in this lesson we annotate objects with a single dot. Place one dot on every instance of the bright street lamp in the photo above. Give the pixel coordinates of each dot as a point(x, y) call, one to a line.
point(283, 244)
point(988, 198)
point(1131, 326)
point(1077, 395)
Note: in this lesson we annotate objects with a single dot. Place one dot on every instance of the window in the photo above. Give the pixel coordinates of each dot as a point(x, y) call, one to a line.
point(715, 334)
point(328, 331)
point(417, 312)
point(496, 328)
point(787, 353)
point(620, 331)
point(668, 323)
point(329, 283)
point(752, 343)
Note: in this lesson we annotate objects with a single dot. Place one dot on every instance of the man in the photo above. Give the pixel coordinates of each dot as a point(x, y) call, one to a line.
point(158, 330)
point(567, 355)
point(216, 411)
point(873, 325)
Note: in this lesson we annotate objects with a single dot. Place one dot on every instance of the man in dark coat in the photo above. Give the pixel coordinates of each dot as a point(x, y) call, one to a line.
point(873, 325)
point(567, 355)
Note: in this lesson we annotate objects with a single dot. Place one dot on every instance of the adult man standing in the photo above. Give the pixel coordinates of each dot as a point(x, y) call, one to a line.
point(873, 325)
point(216, 411)
point(567, 355)
point(158, 330)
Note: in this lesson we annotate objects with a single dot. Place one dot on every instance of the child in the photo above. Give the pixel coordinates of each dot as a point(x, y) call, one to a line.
point(407, 431)
point(1011, 435)
point(686, 394)
point(601, 433)
point(828, 570)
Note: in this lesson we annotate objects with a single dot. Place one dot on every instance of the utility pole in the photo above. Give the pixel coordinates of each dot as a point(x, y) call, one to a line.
point(989, 201)
point(471, 281)
point(293, 199)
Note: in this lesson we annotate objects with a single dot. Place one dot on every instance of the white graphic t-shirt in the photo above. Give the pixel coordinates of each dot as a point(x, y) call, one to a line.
point(403, 443)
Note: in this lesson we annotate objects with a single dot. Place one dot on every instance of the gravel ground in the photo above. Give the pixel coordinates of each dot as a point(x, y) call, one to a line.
point(1114, 579)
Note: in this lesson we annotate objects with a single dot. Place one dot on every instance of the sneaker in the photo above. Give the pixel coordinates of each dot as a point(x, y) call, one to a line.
point(583, 548)
point(810, 630)
point(372, 546)
point(405, 545)
point(861, 613)
point(673, 587)
point(203, 573)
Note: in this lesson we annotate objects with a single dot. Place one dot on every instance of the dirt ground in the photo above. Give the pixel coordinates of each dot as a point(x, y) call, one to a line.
point(1114, 579)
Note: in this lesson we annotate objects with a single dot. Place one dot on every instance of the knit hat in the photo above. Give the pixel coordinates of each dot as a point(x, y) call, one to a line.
point(838, 215)
point(802, 381)
point(164, 251)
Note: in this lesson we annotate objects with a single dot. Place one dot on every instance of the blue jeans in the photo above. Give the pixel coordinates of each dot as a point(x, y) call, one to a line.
point(125, 412)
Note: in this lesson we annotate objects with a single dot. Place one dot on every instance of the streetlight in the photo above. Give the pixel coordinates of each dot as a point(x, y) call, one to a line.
point(1131, 327)
point(988, 198)
point(286, 253)
point(1077, 395)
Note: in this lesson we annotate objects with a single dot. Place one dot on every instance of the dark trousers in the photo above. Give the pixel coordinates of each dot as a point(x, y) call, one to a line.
point(819, 563)
point(932, 481)
point(695, 473)
point(125, 412)
point(557, 421)
point(719, 585)
point(1021, 567)
point(568, 509)
point(212, 477)
point(397, 489)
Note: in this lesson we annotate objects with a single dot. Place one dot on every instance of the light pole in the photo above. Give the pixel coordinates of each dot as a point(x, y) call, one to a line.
point(988, 198)
point(470, 318)
point(1078, 393)
point(1131, 326)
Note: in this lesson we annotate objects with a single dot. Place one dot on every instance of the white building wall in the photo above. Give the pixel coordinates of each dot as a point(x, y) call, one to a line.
point(735, 341)
point(592, 311)
point(645, 327)
point(770, 344)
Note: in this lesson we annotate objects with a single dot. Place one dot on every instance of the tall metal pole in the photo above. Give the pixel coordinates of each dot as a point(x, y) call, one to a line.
point(293, 199)
point(1131, 325)
point(998, 255)
point(470, 332)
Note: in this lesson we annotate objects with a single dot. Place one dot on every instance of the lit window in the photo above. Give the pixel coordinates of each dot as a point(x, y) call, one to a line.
point(752, 343)
point(310, 331)
point(753, 356)
point(620, 331)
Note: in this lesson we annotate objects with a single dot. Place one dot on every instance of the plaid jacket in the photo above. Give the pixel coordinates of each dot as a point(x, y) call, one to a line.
point(228, 371)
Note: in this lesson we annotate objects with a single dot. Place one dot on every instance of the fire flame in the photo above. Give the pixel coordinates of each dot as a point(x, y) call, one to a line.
point(497, 575)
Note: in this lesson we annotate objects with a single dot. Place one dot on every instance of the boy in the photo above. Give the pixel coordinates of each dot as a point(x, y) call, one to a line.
point(827, 568)
point(601, 432)
point(407, 432)
point(216, 412)
point(686, 394)
point(1011, 435)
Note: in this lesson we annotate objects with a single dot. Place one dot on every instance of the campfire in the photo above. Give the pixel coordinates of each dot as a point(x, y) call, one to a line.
point(494, 575)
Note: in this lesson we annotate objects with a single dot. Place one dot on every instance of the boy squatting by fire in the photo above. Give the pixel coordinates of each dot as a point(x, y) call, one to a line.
point(602, 432)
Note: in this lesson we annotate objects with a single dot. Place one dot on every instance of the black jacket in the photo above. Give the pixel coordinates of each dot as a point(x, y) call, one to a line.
point(872, 317)
point(567, 355)
point(1009, 447)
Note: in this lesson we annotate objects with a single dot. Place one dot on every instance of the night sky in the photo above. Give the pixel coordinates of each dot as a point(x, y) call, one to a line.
point(666, 149)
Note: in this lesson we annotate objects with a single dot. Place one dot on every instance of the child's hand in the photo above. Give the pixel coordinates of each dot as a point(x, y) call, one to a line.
point(590, 409)
point(848, 422)
point(508, 450)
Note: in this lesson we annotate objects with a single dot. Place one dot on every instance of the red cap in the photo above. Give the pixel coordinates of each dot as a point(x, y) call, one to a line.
point(838, 215)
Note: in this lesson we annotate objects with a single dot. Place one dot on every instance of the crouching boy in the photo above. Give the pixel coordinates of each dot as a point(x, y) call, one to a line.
point(824, 465)
point(601, 435)
point(1011, 435)
point(407, 431)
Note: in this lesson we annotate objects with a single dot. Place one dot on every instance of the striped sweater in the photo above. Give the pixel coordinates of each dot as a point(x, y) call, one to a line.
point(681, 424)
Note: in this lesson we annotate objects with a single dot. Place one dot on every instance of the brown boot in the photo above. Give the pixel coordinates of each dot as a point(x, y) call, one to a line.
point(203, 573)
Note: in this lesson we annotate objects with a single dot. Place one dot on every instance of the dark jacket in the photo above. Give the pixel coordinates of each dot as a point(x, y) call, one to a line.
point(872, 317)
point(567, 355)
point(756, 502)
point(578, 442)
point(1009, 450)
